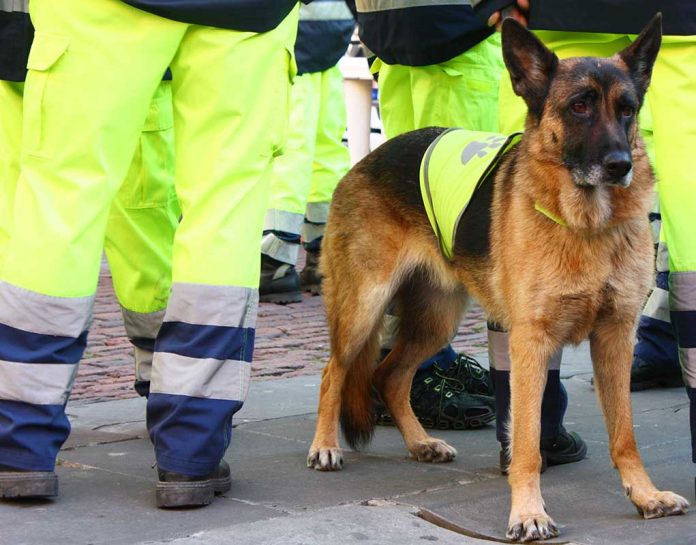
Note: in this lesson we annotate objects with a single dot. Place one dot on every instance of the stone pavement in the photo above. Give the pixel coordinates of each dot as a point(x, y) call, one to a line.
point(291, 340)
point(381, 497)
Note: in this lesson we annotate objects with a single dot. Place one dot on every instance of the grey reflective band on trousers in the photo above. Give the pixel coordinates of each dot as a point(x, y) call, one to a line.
point(20, 6)
point(37, 383)
point(281, 220)
point(657, 306)
point(212, 379)
point(202, 304)
point(366, 6)
point(279, 249)
point(44, 314)
point(312, 231)
point(682, 298)
point(332, 10)
point(143, 325)
point(499, 352)
point(662, 261)
point(317, 212)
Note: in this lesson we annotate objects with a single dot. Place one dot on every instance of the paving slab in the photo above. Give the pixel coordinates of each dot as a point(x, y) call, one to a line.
point(107, 480)
point(379, 522)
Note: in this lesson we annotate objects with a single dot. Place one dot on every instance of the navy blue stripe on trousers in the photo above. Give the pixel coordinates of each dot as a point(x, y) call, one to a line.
point(31, 435)
point(206, 341)
point(27, 347)
point(656, 343)
point(200, 374)
point(190, 434)
point(553, 405)
point(684, 322)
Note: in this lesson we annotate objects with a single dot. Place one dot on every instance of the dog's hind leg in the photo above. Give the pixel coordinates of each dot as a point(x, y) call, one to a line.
point(355, 314)
point(530, 351)
point(612, 351)
point(428, 320)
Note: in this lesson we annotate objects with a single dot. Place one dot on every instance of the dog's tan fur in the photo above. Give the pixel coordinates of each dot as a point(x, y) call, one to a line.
point(548, 284)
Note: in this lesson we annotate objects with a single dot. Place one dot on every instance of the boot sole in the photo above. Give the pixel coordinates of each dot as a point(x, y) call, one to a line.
point(472, 423)
point(222, 485)
point(184, 494)
point(314, 289)
point(28, 484)
point(281, 298)
point(669, 382)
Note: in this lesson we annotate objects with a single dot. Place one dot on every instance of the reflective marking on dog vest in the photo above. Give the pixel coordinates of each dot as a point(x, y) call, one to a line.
point(453, 167)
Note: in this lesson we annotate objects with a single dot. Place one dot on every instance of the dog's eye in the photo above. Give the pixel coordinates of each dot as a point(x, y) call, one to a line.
point(579, 107)
point(627, 111)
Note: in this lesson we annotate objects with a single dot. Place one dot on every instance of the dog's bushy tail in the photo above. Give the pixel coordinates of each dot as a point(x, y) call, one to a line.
point(358, 418)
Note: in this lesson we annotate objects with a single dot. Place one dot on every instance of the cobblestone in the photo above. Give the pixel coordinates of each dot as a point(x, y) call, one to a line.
point(291, 340)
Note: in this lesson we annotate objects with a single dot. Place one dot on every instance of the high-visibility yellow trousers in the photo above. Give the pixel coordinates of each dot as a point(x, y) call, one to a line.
point(93, 71)
point(142, 219)
point(313, 161)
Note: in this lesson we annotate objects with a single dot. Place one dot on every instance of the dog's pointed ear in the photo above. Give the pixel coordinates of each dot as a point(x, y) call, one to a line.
point(530, 63)
point(641, 54)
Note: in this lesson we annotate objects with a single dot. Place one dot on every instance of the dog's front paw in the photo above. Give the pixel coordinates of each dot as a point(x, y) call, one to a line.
point(660, 504)
point(433, 450)
point(325, 459)
point(531, 528)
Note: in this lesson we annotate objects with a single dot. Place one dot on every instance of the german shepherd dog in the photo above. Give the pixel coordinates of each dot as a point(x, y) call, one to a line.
point(550, 284)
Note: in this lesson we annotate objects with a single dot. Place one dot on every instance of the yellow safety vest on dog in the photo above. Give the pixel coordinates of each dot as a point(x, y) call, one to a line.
point(453, 167)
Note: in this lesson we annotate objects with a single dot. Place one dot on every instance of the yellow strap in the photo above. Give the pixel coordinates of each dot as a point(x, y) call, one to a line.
point(549, 215)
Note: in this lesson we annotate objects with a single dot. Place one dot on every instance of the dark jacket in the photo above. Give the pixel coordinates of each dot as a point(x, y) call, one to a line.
point(323, 35)
point(16, 35)
point(419, 35)
point(611, 16)
point(245, 15)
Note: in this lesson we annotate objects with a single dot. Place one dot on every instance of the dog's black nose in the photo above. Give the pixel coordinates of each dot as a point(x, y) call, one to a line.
point(617, 163)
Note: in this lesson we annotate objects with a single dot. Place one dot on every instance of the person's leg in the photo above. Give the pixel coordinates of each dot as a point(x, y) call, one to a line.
point(79, 134)
point(230, 95)
point(290, 182)
point(140, 233)
point(10, 137)
point(558, 446)
point(395, 99)
point(673, 104)
point(331, 162)
point(656, 355)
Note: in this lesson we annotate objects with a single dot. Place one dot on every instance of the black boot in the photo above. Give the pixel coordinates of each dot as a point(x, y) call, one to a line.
point(179, 490)
point(310, 277)
point(280, 282)
point(646, 375)
point(18, 483)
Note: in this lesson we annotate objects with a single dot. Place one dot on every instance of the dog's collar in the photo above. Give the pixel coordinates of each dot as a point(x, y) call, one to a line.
point(553, 217)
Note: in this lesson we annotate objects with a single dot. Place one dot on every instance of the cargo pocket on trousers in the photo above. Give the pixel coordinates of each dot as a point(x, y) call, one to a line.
point(46, 52)
point(285, 101)
point(149, 182)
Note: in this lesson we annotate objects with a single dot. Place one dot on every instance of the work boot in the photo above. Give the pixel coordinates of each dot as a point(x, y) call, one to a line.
point(646, 375)
point(440, 399)
point(179, 490)
point(469, 372)
point(565, 448)
point(18, 483)
point(310, 277)
point(280, 282)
